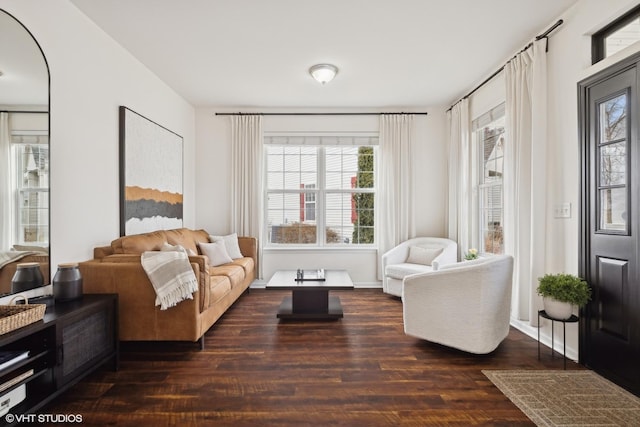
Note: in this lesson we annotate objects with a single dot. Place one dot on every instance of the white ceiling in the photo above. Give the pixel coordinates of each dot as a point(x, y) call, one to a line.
point(256, 53)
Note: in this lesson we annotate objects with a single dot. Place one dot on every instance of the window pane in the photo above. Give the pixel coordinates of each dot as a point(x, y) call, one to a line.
point(613, 119)
point(613, 209)
point(491, 219)
point(622, 38)
point(350, 167)
point(275, 180)
point(350, 218)
point(362, 218)
point(291, 217)
point(34, 217)
point(613, 164)
point(275, 162)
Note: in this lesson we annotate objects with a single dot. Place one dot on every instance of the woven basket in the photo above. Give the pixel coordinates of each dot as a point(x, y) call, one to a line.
point(13, 317)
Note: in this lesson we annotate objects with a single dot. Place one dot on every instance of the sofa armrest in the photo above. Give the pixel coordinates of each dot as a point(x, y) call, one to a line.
point(123, 274)
point(396, 255)
point(449, 255)
point(249, 248)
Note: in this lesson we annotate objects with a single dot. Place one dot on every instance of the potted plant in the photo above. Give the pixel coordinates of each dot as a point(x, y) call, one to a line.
point(560, 292)
point(471, 254)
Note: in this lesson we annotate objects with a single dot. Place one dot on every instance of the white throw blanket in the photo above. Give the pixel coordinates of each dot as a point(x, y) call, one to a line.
point(171, 275)
point(11, 256)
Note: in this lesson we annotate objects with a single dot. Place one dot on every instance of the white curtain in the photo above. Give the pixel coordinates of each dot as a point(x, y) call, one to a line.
point(246, 183)
point(6, 187)
point(459, 196)
point(525, 183)
point(395, 210)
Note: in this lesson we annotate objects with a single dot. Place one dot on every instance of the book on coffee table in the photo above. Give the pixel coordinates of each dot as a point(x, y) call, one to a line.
point(310, 275)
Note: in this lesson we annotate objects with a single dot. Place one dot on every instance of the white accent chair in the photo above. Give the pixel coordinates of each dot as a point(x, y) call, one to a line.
point(466, 305)
point(396, 263)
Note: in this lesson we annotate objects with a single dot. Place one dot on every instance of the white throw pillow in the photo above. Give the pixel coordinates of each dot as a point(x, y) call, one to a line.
point(230, 243)
point(216, 252)
point(424, 256)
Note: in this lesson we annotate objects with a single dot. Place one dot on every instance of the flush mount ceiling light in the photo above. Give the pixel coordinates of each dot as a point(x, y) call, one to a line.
point(323, 73)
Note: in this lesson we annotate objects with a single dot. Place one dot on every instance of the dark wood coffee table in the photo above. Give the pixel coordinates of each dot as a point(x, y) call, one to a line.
point(310, 299)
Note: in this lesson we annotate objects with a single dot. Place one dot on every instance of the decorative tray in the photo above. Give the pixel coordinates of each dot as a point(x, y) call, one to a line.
point(13, 317)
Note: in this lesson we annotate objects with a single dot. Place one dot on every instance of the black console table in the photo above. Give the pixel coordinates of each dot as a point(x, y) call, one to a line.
point(571, 319)
point(72, 340)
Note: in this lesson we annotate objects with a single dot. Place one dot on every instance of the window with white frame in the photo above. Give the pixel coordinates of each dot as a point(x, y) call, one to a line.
point(320, 190)
point(31, 166)
point(488, 139)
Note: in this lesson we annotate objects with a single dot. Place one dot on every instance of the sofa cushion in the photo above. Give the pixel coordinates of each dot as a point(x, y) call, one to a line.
point(400, 271)
point(187, 238)
point(216, 252)
point(246, 263)
point(219, 286)
point(235, 273)
point(422, 255)
point(138, 243)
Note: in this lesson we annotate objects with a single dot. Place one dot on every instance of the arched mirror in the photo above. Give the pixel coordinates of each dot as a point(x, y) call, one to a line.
point(24, 152)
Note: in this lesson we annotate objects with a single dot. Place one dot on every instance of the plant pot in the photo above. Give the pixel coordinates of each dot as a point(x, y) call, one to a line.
point(557, 309)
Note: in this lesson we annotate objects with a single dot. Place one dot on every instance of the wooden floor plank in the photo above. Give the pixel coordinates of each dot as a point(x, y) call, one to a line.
point(361, 370)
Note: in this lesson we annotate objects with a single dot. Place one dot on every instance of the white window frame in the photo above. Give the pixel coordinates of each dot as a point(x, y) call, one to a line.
point(320, 141)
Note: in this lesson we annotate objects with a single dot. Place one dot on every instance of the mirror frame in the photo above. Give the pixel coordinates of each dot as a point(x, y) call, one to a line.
point(48, 112)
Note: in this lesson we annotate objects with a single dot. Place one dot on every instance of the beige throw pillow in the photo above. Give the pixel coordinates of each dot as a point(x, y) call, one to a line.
point(420, 255)
point(216, 252)
point(230, 243)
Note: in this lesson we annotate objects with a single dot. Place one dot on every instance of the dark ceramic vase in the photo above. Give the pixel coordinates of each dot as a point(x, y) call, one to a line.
point(67, 283)
point(27, 276)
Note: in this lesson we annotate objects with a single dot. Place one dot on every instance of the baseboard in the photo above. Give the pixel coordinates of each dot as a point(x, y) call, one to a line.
point(545, 338)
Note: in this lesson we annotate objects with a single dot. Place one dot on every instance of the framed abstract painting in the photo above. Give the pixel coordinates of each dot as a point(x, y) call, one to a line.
point(151, 189)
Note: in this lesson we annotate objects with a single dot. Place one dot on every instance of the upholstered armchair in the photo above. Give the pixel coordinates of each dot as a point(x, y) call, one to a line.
point(466, 305)
point(417, 255)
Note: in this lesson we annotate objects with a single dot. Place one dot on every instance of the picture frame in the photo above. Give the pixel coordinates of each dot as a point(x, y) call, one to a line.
point(151, 175)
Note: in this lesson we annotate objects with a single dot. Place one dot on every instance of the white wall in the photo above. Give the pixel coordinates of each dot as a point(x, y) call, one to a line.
point(91, 75)
point(213, 158)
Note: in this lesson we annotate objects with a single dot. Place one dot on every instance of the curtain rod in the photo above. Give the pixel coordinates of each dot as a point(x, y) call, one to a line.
point(312, 114)
point(22, 112)
point(541, 36)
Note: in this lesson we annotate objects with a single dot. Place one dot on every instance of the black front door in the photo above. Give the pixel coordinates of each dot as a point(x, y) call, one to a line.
point(610, 224)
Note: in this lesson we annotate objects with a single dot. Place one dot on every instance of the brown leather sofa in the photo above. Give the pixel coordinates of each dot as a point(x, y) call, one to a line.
point(7, 272)
point(117, 269)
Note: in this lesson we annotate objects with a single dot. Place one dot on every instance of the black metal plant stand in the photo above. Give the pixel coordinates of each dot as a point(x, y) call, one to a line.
point(571, 319)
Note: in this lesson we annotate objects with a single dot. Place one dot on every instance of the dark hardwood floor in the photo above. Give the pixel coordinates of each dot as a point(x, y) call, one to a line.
point(361, 370)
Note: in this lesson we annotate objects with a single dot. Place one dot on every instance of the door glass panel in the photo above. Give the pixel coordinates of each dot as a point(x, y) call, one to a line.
point(613, 164)
point(613, 119)
point(613, 209)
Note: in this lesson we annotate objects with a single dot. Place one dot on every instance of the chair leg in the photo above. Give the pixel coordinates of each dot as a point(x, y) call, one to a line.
point(201, 341)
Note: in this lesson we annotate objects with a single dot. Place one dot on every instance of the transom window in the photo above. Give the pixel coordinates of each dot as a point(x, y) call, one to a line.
point(318, 193)
point(489, 143)
point(617, 35)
